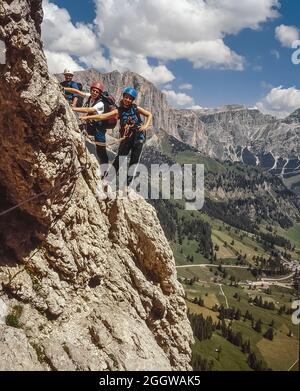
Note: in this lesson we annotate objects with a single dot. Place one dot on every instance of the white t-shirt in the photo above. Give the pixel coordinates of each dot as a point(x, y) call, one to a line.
point(99, 107)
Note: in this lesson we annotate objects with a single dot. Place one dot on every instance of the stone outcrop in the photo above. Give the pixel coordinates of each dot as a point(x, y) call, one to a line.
point(86, 284)
point(15, 351)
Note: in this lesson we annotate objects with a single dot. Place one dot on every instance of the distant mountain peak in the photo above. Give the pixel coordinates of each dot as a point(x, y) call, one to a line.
point(293, 117)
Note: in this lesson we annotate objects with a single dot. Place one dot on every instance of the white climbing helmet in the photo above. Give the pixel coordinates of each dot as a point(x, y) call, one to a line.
point(67, 71)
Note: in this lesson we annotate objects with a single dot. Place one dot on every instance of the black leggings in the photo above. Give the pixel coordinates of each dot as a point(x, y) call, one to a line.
point(127, 146)
point(103, 158)
point(102, 154)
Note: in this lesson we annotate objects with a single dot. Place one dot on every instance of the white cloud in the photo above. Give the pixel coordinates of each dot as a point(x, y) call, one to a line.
point(178, 99)
point(167, 86)
point(186, 86)
point(139, 64)
point(194, 31)
point(286, 35)
point(57, 62)
point(62, 40)
point(60, 34)
point(96, 60)
point(196, 107)
point(280, 102)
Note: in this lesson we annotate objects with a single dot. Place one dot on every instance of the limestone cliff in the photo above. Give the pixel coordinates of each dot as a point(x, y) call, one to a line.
point(87, 285)
point(232, 129)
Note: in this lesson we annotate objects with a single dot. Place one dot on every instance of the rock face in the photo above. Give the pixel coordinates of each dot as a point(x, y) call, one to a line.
point(96, 282)
point(293, 118)
point(16, 353)
point(230, 127)
point(234, 129)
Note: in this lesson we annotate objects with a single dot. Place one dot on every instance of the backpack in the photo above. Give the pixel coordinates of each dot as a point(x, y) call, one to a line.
point(109, 105)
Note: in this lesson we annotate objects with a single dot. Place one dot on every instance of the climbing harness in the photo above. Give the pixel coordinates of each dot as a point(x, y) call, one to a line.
point(127, 134)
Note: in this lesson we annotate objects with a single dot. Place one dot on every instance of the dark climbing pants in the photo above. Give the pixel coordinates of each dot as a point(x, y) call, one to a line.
point(102, 154)
point(103, 157)
point(129, 145)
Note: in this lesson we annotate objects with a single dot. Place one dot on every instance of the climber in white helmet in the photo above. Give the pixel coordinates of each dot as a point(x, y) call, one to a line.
point(68, 82)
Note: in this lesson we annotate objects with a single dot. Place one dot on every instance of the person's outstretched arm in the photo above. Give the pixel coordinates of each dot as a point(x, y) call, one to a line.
point(101, 117)
point(149, 117)
point(88, 110)
point(75, 91)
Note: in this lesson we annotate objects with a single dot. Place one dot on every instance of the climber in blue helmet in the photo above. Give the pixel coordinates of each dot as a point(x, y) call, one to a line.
point(131, 92)
point(132, 128)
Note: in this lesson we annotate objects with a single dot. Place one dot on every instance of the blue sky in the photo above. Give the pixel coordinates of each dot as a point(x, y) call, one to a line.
point(266, 58)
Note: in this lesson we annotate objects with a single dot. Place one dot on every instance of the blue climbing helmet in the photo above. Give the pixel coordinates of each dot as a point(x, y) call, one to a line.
point(130, 91)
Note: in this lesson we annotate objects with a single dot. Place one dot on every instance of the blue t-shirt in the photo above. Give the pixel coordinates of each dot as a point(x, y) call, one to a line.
point(70, 84)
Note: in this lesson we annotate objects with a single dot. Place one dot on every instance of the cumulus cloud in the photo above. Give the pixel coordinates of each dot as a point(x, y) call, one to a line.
point(178, 99)
point(65, 41)
point(168, 86)
point(286, 35)
point(196, 107)
point(96, 60)
point(62, 39)
point(186, 86)
point(280, 101)
point(61, 35)
point(156, 74)
point(57, 62)
point(194, 31)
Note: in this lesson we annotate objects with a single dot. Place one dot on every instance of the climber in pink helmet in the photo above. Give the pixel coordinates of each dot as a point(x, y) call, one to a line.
point(94, 105)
